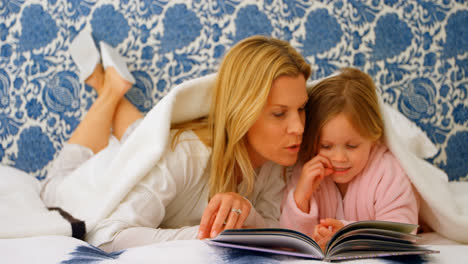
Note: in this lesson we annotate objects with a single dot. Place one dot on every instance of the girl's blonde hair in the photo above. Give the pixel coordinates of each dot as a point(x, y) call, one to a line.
point(351, 92)
point(243, 83)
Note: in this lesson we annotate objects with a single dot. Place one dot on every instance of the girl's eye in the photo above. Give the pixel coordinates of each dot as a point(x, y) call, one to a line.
point(352, 146)
point(325, 146)
point(279, 114)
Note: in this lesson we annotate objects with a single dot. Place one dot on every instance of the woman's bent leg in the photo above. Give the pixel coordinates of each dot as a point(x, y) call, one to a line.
point(94, 130)
point(125, 114)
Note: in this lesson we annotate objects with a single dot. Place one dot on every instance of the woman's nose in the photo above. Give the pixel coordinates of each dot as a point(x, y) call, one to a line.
point(296, 126)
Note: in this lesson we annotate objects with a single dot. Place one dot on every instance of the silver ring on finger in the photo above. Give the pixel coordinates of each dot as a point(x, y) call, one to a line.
point(239, 211)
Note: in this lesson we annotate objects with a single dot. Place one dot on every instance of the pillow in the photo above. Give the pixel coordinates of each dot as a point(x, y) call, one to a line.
point(22, 212)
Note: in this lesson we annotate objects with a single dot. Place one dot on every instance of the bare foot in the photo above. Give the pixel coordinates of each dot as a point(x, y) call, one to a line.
point(96, 79)
point(114, 83)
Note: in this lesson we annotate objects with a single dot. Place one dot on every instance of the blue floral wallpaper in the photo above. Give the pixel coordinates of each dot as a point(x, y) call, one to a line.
point(416, 51)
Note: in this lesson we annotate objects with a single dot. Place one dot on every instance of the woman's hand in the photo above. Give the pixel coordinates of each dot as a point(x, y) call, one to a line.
point(325, 230)
point(313, 172)
point(224, 211)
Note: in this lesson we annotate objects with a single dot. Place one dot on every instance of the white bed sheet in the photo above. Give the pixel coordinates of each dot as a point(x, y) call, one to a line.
point(68, 250)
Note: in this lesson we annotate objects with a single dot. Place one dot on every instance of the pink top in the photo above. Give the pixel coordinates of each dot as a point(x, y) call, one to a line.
point(382, 191)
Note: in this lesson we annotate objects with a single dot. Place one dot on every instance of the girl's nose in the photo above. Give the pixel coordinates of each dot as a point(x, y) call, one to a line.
point(339, 156)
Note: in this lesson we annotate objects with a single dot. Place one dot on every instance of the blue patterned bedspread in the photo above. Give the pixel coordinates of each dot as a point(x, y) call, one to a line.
point(416, 51)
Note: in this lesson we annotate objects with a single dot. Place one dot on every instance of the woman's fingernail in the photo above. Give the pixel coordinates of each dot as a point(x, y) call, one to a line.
point(213, 234)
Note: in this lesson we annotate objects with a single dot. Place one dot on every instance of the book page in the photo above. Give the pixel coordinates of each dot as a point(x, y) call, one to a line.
point(379, 234)
point(367, 239)
point(383, 225)
point(282, 240)
point(377, 254)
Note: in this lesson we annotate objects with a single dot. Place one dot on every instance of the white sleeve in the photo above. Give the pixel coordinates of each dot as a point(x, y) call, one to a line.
point(267, 197)
point(145, 205)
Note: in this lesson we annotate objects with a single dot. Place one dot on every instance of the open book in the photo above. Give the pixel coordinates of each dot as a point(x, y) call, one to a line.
point(363, 239)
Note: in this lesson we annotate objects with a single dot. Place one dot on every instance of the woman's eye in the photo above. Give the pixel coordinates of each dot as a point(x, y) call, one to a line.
point(352, 146)
point(279, 114)
point(325, 146)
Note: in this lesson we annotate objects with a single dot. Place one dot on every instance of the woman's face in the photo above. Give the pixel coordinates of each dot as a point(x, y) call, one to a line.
point(277, 133)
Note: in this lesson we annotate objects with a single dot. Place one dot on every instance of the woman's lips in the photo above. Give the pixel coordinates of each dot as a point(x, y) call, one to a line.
point(293, 148)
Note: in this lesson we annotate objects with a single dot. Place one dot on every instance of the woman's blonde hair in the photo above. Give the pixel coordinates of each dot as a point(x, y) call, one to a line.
point(351, 92)
point(243, 83)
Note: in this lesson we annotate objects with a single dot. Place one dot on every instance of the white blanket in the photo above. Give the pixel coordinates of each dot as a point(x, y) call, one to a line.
point(92, 192)
point(444, 204)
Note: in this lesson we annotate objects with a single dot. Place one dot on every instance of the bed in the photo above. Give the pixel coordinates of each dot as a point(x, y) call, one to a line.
point(415, 51)
point(66, 250)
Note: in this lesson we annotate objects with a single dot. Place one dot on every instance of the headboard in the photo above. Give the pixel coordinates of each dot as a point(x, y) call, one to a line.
point(416, 52)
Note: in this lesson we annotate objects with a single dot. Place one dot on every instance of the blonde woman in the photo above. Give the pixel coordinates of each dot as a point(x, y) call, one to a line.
point(224, 170)
point(346, 172)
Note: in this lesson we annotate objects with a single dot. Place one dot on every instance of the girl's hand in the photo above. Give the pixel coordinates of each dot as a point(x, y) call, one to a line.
point(313, 172)
point(325, 230)
point(224, 211)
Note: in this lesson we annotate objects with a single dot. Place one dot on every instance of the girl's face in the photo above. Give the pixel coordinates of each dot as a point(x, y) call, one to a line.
point(277, 133)
point(346, 149)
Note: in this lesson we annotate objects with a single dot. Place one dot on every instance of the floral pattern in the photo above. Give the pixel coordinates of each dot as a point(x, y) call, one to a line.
point(90, 254)
point(109, 25)
point(416, 51)
point(38, 28)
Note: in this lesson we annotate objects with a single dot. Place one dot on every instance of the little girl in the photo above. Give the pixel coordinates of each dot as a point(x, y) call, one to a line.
point(345, 172)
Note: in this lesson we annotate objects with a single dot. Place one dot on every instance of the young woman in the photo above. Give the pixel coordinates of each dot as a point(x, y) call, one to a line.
point(223, 171)
point(345, 173)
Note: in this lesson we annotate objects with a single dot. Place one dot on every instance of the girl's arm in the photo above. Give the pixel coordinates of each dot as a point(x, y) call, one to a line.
point(301, 209)
point(294, 218)
point(313, 173)
point(395, 197)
